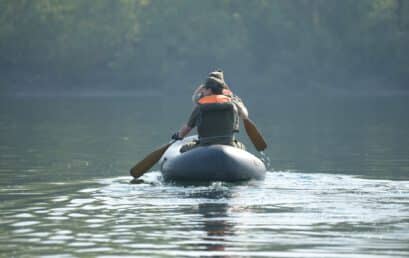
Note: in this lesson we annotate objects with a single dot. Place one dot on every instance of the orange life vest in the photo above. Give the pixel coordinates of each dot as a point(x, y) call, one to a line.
point(217, 127)
point(214, 99)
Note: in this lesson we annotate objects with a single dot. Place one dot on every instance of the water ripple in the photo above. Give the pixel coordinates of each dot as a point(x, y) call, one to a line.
point(287, 215)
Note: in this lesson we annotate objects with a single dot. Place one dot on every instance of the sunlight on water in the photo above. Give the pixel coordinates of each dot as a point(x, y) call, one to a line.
point(61, 196)
point(287, 215)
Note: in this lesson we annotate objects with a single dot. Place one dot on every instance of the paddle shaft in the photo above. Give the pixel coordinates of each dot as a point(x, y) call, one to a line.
point(254, 135)
point(144, 165)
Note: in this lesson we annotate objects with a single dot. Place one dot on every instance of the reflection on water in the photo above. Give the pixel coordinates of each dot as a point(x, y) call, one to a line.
point(65, 192)
point(289, 214)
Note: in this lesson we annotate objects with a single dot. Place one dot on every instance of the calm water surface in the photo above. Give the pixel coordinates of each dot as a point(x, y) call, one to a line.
point(338, 185)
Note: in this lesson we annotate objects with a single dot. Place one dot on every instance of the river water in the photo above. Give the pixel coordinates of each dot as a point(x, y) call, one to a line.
point(338, 184)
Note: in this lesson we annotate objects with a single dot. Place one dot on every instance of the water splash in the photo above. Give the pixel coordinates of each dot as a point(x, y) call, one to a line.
point(266, 159)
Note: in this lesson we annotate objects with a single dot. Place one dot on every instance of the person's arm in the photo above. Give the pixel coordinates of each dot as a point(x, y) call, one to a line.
point(241, 108)
point(182, 132)
point(198, 93)
point(185, 129)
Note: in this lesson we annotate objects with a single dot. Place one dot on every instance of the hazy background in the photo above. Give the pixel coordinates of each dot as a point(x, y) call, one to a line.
point(275, 46)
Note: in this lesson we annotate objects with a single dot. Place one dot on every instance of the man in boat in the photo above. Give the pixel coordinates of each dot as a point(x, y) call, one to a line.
point(218, 76)
point(216, 114)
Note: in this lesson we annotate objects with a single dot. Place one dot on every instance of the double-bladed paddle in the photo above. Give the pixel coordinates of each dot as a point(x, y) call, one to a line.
point(144, 165)
point(254, 135)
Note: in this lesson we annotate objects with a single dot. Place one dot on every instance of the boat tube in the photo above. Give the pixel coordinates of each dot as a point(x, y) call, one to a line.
point(210, 163)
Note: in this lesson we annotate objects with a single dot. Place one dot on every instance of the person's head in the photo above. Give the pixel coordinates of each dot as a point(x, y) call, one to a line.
point(218, 73)
point(213, 86)
point(215, 82)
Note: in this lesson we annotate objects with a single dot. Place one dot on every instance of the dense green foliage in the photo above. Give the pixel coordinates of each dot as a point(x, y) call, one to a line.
point(159, 44)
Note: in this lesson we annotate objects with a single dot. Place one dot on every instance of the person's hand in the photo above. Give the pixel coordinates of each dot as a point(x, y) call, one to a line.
point(176, 136)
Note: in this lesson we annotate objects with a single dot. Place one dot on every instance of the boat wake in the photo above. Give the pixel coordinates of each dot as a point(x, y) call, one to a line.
point(325, 213)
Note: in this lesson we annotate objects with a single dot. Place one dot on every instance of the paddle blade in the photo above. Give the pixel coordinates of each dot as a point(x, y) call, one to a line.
point(254, 135)
point(148, 162)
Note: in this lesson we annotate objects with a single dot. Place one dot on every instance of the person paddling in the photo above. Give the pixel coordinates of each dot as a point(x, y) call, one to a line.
point(216, 114)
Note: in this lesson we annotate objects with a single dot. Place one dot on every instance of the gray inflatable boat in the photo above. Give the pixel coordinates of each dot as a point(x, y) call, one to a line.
point(210, 163)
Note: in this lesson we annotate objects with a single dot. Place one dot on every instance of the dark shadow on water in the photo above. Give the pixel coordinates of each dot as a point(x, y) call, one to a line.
point(136, 181)
point(214, 215)
point(216, 225)
point(213, 207)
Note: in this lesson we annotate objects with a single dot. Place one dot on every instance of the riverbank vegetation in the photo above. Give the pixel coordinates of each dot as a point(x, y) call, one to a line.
point(299, 45)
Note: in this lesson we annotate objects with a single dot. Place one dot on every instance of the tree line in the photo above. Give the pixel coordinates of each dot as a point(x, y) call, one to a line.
point(266, 45)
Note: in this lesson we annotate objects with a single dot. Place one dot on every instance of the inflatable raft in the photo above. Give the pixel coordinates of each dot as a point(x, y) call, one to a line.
point(210, 163)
